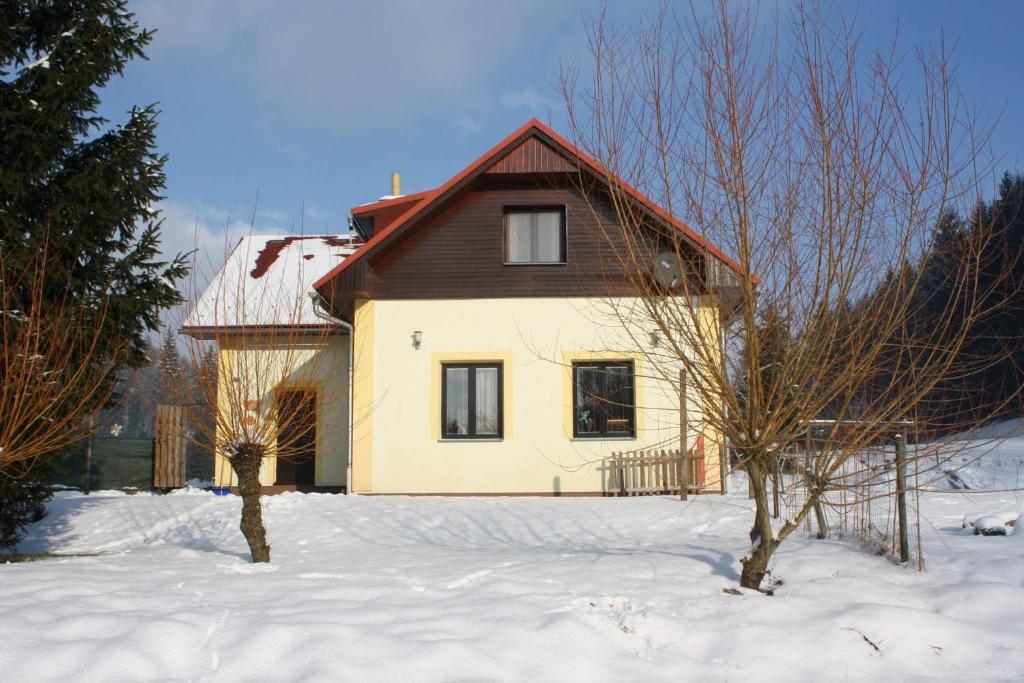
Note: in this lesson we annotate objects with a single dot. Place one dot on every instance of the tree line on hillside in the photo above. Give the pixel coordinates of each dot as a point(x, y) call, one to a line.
point(988, 385)
point(991, 359)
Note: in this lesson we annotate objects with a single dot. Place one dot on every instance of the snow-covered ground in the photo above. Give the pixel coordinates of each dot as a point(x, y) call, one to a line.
point(506, 589)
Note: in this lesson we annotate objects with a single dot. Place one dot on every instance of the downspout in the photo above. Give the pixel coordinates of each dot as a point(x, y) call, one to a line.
point(320, 311)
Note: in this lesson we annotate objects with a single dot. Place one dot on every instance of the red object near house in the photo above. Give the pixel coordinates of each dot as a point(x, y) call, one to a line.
point(698, 450)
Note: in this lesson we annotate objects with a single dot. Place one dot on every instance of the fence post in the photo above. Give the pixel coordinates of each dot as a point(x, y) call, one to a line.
point(684, 480)
point(668, 472)
point(610, 481)
point(682, 412)
point(901, 496)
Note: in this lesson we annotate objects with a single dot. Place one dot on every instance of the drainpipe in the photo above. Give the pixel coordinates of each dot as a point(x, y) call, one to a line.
point(320, 311)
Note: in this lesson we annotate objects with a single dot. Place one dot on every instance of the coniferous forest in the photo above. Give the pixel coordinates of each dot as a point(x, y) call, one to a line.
point(993, 236)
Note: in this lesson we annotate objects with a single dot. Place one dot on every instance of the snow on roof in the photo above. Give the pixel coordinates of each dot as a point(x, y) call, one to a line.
point(266, 279)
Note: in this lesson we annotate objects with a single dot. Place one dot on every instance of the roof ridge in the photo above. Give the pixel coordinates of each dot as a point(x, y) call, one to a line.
point(495, 153)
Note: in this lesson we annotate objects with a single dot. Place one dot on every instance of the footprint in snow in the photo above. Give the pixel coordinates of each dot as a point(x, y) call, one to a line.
point(616, 610)
point(262, 568)
point(468, 579)
point(320, 575)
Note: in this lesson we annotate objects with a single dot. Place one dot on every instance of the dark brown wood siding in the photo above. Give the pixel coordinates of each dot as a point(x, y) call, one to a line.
point(533, 156)
point(344, 289)
point(459, 252)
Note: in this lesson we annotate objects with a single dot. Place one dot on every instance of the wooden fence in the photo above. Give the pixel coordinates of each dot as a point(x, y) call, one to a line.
point(169, 451)
point(646, 473)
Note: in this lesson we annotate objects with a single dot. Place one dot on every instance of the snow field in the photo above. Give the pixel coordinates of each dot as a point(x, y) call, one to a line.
point(500, 589)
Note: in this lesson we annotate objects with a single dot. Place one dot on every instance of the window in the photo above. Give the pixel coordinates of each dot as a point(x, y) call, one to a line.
point(535, 235)
point(471, 396)
point(603, 399)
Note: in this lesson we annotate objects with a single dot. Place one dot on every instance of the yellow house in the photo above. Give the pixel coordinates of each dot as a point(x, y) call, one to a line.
point(484, 337)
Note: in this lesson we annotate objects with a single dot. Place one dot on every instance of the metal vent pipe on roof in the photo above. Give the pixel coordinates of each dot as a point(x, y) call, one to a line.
point(396, 185)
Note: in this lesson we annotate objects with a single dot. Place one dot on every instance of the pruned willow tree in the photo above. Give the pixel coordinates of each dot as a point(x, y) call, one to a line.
point(279, 378)
point(822, 168)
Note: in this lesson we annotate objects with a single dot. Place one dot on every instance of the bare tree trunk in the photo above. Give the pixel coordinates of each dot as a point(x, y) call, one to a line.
point(755, 566)
point(246, 464)
point(819, 514)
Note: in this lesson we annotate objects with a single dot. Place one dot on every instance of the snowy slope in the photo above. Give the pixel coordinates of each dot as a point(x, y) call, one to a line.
point(497, 589)
point(992, 458)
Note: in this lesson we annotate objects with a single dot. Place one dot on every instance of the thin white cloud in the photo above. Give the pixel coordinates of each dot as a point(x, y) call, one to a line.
point(530, 98)
point(467, 124)
point(356, 64)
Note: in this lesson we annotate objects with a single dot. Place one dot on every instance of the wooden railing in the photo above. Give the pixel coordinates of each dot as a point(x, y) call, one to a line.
point(647, 473)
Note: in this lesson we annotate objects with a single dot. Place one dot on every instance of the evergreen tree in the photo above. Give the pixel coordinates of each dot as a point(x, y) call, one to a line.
point(68, 181)
point(994, 236)
point(774, 336)
point(169, 361)
point(140, 390)
point(1000, 334)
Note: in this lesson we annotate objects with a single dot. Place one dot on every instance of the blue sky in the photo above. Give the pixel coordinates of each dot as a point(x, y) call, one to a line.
point(310, 104)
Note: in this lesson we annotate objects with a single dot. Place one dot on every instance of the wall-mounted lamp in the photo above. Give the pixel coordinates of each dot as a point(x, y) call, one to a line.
point(655, 339)
point(417, 339)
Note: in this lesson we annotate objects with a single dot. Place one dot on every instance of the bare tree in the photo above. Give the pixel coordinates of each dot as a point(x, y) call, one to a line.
point(823, 170)
point(57, 368)
point(273, 347)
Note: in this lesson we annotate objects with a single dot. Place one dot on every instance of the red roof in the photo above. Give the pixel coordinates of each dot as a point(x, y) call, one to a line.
point(372, 207)
point(429, 198)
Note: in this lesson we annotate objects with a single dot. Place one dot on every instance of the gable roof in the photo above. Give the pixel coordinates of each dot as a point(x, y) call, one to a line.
point(513, 144)
point(264, 283)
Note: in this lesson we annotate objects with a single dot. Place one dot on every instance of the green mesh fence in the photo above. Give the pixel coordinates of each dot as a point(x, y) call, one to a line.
point(116, 464)
point(124, 464)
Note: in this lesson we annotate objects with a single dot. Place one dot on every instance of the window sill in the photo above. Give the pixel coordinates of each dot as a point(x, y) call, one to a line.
point(602, 438)
point(545, 264)
point(477, 440)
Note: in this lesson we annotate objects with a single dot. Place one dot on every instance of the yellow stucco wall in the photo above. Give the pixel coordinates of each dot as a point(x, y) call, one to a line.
point(398, 448)
point(257, 368)
point(363, 400)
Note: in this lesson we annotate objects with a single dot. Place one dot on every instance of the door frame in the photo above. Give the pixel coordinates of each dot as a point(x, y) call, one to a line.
point(316, 388)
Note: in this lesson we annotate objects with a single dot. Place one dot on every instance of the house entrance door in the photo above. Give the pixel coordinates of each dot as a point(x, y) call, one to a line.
point(297, 439)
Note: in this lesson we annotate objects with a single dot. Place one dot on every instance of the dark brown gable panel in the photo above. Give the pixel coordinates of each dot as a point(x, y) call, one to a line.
point(459, 253)
point(532, 156)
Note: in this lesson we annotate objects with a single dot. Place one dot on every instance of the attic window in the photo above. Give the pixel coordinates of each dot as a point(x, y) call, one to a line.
point(534, 235)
